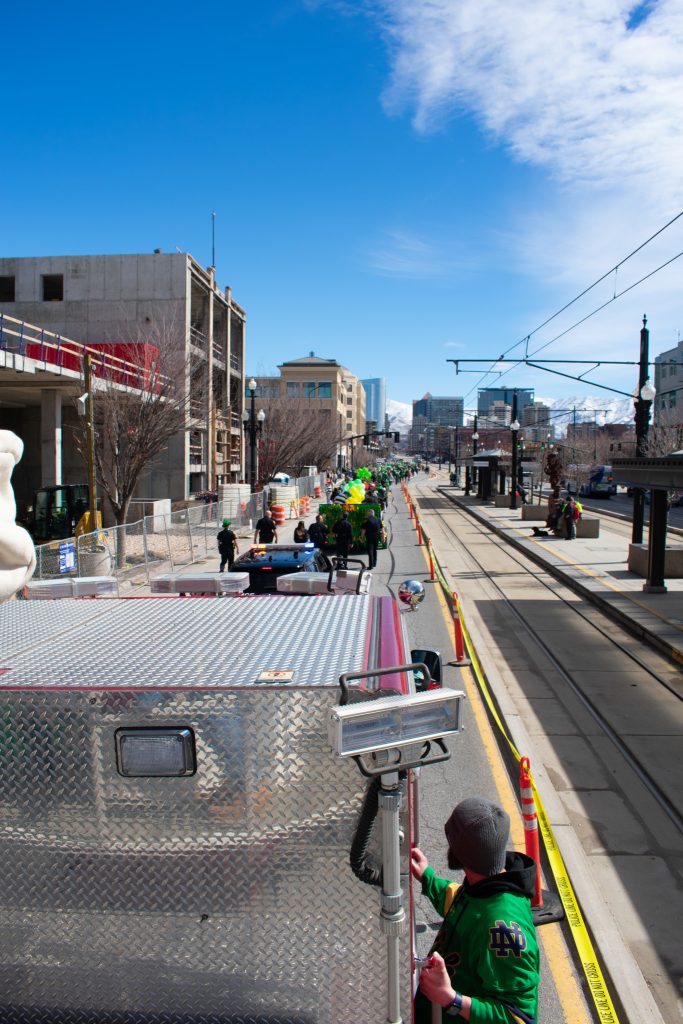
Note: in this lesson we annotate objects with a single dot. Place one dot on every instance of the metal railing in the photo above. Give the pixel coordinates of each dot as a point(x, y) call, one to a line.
point(154, 544)
point(66, 356)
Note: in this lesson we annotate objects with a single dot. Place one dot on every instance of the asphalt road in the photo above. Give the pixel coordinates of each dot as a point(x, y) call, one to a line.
point(474, 767)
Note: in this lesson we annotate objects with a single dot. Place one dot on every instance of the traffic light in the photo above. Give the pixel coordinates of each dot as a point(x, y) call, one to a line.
point(366, 440)
point(397, 437)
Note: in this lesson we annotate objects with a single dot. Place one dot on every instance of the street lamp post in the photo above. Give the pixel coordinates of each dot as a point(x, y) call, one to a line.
point(253, 428)
point(475, 449)
point(514, 429)
point(643, 399)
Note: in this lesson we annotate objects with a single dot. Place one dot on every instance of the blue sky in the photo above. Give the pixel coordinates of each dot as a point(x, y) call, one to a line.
point(396, 182)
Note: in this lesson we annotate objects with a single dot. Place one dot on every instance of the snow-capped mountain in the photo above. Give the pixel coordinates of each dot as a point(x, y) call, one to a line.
point(400, 416)
point(591, 408)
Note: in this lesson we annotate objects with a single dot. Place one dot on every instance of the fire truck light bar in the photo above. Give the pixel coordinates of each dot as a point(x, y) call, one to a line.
point(392, 722)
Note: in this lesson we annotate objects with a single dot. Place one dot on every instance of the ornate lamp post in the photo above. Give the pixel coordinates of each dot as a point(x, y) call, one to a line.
point(514, 430)
point(253, 428)
point(643, 397)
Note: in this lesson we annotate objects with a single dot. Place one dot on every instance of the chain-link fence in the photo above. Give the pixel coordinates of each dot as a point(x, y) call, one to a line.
point(137, 551)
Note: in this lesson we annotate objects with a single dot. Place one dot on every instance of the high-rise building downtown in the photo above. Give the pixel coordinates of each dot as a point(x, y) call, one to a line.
point(375, 400)
point(488, 396)
point(430, 413)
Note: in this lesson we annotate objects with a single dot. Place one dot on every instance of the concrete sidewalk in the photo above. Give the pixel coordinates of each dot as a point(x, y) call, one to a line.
point(596, 569)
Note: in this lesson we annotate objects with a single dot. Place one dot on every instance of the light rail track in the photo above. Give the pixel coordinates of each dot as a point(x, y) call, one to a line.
point(608, 631)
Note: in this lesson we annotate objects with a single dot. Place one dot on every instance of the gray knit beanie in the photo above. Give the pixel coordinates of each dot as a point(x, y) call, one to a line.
point(477, 833)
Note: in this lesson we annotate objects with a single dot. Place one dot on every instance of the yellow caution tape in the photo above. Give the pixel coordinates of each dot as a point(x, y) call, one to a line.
point(584, 947)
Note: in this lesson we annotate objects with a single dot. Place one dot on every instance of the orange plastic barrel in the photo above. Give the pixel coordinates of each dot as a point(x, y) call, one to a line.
point(278, 514)
point(317, 492)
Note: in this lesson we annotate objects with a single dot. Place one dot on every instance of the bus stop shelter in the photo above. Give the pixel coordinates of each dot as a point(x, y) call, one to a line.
point(658, 476)
point(489, 469)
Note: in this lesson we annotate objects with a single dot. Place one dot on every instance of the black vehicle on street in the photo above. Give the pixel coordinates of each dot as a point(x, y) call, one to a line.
point(265, 562)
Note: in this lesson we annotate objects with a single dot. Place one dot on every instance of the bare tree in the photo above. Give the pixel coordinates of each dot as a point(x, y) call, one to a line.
point(141, 399)
point(294, 436)
point(664, 437)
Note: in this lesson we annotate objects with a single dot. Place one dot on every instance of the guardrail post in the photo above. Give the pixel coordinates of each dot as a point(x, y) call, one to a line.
point(144, 547)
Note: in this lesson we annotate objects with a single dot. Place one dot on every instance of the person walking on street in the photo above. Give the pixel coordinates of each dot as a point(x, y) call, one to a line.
point(343, 532)
point(484, 963)
point(227, 546)
point(300, 533)
point(371, 529)
point(317, 532)
point(265, 531)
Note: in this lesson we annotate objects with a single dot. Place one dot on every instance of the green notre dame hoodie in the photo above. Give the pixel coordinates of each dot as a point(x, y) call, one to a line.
point(488, 941)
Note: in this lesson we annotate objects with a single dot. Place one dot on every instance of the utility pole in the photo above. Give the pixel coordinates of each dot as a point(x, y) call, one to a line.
point(90, 435)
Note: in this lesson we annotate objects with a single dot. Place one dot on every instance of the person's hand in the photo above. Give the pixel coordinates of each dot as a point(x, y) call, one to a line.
point(435, 983)
point(418, 863)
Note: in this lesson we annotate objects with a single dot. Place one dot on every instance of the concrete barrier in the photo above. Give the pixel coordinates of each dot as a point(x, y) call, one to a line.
point(587, 527)
point(501, 500)
point(673, 561)
point(534, 512)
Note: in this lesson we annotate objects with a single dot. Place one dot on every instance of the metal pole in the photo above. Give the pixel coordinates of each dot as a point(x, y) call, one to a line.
point(475, 449)
point(642, 417)
point(513, 488)
point(656, 557)
point(252, 440)
point(90, 434)
point(393, 923)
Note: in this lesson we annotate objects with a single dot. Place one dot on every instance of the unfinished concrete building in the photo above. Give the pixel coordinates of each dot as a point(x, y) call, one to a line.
point(166, 299)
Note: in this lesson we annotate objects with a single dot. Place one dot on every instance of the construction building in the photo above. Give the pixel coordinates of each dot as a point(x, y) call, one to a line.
point(167, 300)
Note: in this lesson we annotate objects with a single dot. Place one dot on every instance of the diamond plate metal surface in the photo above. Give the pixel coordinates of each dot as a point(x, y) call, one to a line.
point(123, 644)
point(222, 897)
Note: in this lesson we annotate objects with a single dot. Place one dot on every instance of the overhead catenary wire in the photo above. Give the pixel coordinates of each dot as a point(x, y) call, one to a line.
point(613, 270)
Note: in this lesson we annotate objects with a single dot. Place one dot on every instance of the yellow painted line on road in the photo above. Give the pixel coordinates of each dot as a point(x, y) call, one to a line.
point(566, 985)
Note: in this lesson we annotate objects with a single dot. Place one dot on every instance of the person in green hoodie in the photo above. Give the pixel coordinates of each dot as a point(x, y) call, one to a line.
point(484, 964)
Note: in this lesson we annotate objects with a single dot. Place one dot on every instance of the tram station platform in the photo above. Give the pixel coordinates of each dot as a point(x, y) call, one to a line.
point(596, 568)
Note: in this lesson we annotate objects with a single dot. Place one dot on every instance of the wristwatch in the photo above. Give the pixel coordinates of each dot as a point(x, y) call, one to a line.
point(454, 1007)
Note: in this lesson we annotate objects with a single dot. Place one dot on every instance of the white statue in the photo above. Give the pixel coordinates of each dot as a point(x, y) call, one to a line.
point(17, 553)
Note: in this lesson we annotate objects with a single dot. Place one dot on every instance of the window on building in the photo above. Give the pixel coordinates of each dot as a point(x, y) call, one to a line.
point(349, 401)
point(672, 399)
point(324, 389)
point(292, 389)
point(673, 369)
point(310, 389)
point(663, 371)
point(53, 287)
point(7, 289)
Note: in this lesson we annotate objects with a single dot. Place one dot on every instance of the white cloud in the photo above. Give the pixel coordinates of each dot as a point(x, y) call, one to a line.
point(401, 253)
point(567, 87)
